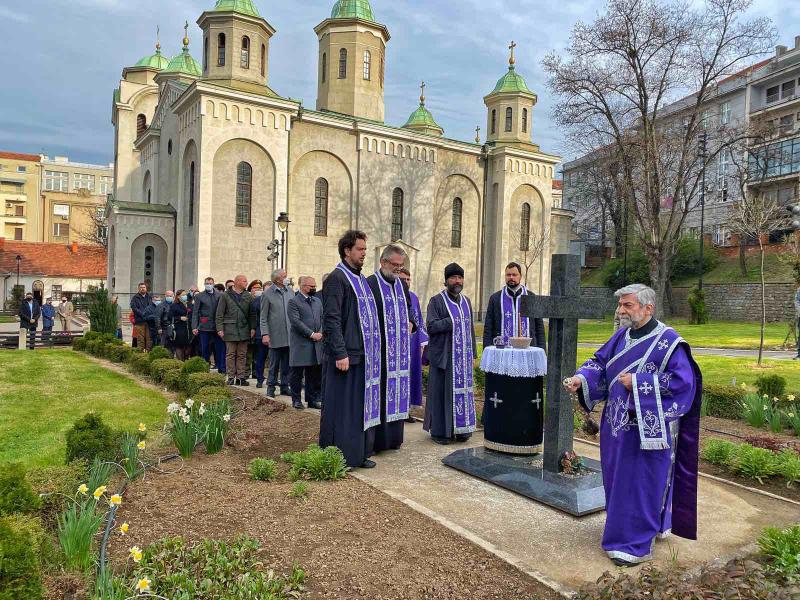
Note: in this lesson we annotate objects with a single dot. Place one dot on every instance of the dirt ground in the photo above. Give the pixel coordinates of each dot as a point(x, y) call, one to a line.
point(352, 540)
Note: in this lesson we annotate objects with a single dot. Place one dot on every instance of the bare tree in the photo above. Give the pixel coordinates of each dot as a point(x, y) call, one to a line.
point(620, 73)
point(96, 232)
point(529, 247)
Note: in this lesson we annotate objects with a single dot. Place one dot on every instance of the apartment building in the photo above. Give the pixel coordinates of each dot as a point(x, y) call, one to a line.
point(19, 194)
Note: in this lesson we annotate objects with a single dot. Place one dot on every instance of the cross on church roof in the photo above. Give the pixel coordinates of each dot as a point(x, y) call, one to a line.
point(513, 45)
point(422, 93)
point(478, 134)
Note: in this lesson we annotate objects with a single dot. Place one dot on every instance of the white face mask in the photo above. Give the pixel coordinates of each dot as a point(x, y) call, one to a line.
point(258, 293)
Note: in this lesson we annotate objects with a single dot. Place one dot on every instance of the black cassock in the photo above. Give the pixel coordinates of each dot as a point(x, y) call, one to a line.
point(342, 423)
point(439, 401)
point(388, 436)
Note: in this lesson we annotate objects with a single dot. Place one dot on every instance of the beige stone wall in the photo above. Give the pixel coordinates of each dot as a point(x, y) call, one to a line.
point(235, 30)
point(135, 99)
point(517, 104)
point(25, 196)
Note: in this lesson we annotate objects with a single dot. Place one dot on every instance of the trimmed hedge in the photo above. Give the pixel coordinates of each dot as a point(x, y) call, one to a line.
point(90, 437)
point(196, 364)
point(139, 363)
point(22, 540)
point(197, 381)
point(160, 367)
point(724, 401)
point(157, 353)
point(212, 395)
point(16, 493)
point(773, 386)
point(55, 485)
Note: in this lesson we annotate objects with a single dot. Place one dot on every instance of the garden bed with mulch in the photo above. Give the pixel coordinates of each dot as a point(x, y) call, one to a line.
point(352, 540)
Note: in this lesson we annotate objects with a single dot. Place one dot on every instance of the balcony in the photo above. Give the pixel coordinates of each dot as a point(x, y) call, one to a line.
point(12, 219)
point(12, 197)
point(771, 105)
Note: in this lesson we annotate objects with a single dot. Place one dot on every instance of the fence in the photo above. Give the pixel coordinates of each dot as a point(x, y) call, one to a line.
point(37, 339)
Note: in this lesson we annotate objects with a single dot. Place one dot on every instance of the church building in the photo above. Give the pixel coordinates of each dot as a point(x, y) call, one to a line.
point(208, 157)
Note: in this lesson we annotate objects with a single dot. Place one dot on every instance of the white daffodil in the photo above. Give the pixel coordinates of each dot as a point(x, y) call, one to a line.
point(189, 403)
point(173, 408)
point(226, 418)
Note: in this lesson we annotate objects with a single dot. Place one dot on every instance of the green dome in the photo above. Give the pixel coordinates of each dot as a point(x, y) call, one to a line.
point(245, 7)
point(422, 117)
point(511, 83)
point(154, 61)
point(184, 64)
point(352, 9)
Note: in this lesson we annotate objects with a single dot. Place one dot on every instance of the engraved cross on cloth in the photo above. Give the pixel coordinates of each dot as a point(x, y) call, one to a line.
point(536, 401)
point(495, 400)
point(563, 308)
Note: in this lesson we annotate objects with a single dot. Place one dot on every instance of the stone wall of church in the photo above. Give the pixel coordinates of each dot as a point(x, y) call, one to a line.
point(143, 100)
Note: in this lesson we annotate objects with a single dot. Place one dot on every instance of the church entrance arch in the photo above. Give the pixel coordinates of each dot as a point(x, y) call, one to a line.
point(149, 262)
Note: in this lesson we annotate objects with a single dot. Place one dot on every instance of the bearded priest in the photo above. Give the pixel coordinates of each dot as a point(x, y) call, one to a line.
point(450, 405)
point(652, 389)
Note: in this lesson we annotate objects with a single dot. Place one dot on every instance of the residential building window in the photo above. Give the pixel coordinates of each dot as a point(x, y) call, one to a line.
point(19, 210)
point(221, 50)
point(321, 207)
point(191, 193)
point(343, 63)
point(56, 181)
point(455, 234)
point(18, 234)
point(494, 121)
point(525, 228)
point(524, 120)
point(367, 64)
point(397, 214)
point(509, 118)
point(244, 193)
point(245, 52)
point(787, 89)
point(723, 169)
point(82, 181)
point(55, 293)
point(106, 184)
point(704, 120)
point(725, 113)
point(22, 169)
point(324, 66)
point(776, 159)
point(786, 123)
point(61, 230)
point(141, 125)
point(773, 94)
point(61, 210)
point(263, 60)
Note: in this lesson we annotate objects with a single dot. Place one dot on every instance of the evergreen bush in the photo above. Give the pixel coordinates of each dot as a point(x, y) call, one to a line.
point(197, 381)
point(196, 364)
point(158, 352)
point(55, 485)
point(89, 437)
point(16, 493)
point(724, 401)
point(79, 344)
point(21, 540)
point(174, 380)
point(160, 366)
point(139, 363)
point(212, 394)
point(773, 386)
point(102, 313)
point(697, 304)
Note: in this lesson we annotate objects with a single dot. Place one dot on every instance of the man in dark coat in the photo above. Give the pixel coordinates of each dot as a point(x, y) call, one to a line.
point(29, 313)
point(506, 323)
point(344, 423)
point(204, 316)
point(305, 343)
point(389, 434)
point(450, 405)
point(275, 332)
point(140, 303)
point(236, 324)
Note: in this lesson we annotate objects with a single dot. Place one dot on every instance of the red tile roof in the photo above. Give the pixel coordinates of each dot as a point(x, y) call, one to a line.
point(53, 260)
point(746, 70)
point(17, 156)
point(558, 184)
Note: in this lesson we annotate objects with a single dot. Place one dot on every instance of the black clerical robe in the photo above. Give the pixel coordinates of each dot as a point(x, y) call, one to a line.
point(342, 423)
point(439, 401)
point(493, 323)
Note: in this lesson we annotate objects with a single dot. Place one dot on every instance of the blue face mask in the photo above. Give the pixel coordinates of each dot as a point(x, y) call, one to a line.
point(169, 300)
point(184, 298)
point(156, 302)
point(209, 288)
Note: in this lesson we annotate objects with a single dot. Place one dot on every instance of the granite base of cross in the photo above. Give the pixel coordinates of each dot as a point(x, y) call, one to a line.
point(564, 307)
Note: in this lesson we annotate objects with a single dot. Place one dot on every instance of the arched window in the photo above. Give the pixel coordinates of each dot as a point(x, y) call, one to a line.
point(524, 120)
point(244, 193)
point(343, 63)
point(455, 235)
point(141, 125)
point(494, 121)
point(191, 193)
point(367, 64)
point(525, 228)
point(263, 60)
point(205, 55)
point(221, 50)
point(245, 52)
point(397, 214)
point(321, 207)
point(509, 118)
point(324, 66)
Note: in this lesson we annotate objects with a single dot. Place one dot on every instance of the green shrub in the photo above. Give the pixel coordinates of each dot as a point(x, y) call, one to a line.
point(118, 354)
point(95, 347)
point(789, 467)
point(55, 485)
point(299, 490)
point(479, 378)
point(16, 493)
point(102, 313)
point(21, 540)
point(160, 366)
point(718, 452)
point(212, 395)
point(158, 352)
point(196, 364)
point(139, 363)
point(782, 548)
point(754, 463)
point(775, 418)
point(773, 386)
point(196, 381)
point(262, 469)
point(754, 410)
point(79, 344)
point(317, 464)
point(174, 380)
point(92, 335)
point(724, 401)
point(697, 305)
point(89, 437)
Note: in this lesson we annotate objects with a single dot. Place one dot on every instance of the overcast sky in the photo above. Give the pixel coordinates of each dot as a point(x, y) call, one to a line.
point(61, 59)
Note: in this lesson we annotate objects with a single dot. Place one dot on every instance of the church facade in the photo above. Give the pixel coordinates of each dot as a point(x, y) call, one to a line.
point(208, 156)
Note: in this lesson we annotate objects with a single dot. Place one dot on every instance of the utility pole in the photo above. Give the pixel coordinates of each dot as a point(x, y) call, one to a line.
point(703, 152)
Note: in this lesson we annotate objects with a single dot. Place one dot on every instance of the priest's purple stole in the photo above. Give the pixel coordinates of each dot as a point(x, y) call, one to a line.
point(397, 353)
point(511, 315)
point(464, 419)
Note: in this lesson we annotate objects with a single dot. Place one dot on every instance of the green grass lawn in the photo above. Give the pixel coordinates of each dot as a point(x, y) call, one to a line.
point(722, 370)
point(716, 334)
point(7, 319)
point(43, 392)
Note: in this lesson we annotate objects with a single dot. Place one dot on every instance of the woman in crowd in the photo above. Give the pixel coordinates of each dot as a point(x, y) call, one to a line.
point(179, 320)
point(259, 350)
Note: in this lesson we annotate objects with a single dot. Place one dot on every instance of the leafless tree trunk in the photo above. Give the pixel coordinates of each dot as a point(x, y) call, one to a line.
point(529, 249)
point(97, 231)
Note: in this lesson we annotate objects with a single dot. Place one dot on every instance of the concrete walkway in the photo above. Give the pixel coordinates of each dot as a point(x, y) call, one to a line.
point(557, 549)
point(726, 352)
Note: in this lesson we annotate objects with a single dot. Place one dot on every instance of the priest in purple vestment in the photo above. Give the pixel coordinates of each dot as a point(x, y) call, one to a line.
point(649, 433)
point(419, 340)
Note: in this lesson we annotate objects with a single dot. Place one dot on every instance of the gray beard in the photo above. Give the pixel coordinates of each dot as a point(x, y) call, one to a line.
point(390, 277)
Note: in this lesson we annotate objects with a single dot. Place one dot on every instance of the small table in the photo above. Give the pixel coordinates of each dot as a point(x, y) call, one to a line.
point(513, 408)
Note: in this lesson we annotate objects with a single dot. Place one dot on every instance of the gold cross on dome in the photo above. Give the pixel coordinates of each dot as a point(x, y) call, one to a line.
point(478, 134)
point(422, 92)
point(513, 45)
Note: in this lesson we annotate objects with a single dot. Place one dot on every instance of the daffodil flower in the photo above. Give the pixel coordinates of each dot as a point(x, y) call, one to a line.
point(116, 500)
point(186, 418)
point(123, 529)
point(141, 445)
point(226, 418)
point(83, 489)
point(790, 397)
point(136, 553)
point(189, 403)
point(99, 492)
point(142, 427)
point(143, 585)
point(173, 408)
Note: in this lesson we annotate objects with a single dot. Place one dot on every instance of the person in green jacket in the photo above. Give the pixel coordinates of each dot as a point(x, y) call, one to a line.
point(236, 325)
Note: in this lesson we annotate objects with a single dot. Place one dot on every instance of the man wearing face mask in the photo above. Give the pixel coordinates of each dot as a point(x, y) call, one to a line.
point(141, 303)
point(452, 348)
point(275, 332)
point(204, 314)
point(65, 312)
point(257, 347)
point(395, 317)
point(29, 313)
point(163, 320)
point(503, 317)
point(152, 316)
point(305, 343)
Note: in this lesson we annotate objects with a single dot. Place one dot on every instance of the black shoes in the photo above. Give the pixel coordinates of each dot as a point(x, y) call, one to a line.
point(314, 404)
point(271, 393)
point(231, 381)
point(286, 392)
point(244, 383)
point(368, 464)
point(440, 441)
point(411, 419)
point(260, 384)
point(622, 563)
point(297, 404)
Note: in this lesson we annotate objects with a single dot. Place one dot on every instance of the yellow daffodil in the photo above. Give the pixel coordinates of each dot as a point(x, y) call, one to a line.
point(143, 585)
point(99, 492)
point(136, 554)
point(116, 500)
point(142, 427)
point(790, 397)
point(141, 445)
point(123, 529)
point(744, 386)
point(83, 489)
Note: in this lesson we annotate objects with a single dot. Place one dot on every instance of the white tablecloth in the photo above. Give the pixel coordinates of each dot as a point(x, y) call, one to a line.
point(525, 362)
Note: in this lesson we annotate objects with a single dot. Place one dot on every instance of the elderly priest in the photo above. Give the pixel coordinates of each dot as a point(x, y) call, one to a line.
point(450, 405)
point(651, 387)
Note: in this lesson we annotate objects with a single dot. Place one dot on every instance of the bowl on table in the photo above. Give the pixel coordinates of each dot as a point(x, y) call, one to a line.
point(519, 343)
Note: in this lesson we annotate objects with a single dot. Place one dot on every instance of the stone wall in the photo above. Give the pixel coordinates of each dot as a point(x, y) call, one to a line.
point(725, 302)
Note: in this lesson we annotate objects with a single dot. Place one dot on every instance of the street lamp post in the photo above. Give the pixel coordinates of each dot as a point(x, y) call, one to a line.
point(283, 224)
point(703, 151)
point(19, 260)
